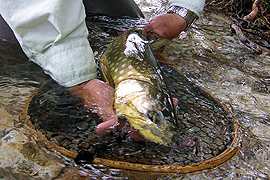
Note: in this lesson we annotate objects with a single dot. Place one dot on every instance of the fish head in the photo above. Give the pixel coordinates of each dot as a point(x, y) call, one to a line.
point(143, 114)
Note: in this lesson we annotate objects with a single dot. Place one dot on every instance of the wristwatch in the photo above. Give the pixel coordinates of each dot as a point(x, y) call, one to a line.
point(188, 15)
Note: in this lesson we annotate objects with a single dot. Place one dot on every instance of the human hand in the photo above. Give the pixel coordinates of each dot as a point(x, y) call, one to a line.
point(165, 26)
point(99, 97)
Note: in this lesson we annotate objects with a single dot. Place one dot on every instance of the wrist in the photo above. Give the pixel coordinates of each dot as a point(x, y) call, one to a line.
point(188, 15)
point(78, 87)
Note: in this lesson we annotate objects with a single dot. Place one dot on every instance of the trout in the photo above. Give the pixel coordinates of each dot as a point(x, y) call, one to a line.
point(141, 93)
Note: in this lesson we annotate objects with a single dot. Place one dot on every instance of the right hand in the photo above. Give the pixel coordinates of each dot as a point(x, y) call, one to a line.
point(165, 26)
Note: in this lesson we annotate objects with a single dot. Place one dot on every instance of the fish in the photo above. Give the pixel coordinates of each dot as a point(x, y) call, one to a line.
point(141, 91)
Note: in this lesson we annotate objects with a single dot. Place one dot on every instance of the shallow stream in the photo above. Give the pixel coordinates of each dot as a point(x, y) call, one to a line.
point(209, 55)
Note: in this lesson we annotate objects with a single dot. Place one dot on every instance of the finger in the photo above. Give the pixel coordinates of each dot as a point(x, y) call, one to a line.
point(107, 126)
point(175, 102)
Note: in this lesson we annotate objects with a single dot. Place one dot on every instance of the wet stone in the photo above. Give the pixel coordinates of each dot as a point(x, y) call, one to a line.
point(169, 161)
point(151, 155)
point(82, 135)
point(227, 141)
point(59, 138)
point(192, 120)
point(74, 147)
point(224, 138)
point(200, 155)
point(82, 126)
point(207, 156)
point(138, 154)
point(121, 158)
point(73, 135)
point(115, 172)
point(213, 147)
point(206, 130)
point(84, 145)
point(180, 116)
point(204, 145)
point(222, 147)
point(195, 129)
point(185, 178)
point(143, 161)
point(65, 142)
point(207, 150)
point(127, 156)
point(204, 108)
point(181, 93)
point(193, 158)
point(133, 160)
point(215, 153)
point(180, 159)
point(157, 162)
point(55, 141)
point(208, 140)
point(196, 105)
point(181, 112)
point(75, 141)
point(199, 123)
point(184, 98)
point(218, 141)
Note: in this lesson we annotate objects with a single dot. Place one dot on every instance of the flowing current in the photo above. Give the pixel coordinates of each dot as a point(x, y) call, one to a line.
point(209, 55)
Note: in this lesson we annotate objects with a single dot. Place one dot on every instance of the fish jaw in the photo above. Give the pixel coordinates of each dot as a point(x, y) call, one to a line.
point(150, 131)
point(146, 127)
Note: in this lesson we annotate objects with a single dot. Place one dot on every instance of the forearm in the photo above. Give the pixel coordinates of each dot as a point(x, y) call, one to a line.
point(189, 10)
point(53, 34)
point(196, 6)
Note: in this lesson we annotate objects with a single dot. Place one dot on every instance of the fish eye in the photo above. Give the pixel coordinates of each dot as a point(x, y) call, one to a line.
point(151, 116)
point(155, 116)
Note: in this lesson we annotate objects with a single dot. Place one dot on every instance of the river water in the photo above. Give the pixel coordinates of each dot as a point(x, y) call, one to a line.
point(209, 55)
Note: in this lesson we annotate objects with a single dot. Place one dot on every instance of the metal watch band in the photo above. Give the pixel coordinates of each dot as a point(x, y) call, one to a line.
point(188, 15)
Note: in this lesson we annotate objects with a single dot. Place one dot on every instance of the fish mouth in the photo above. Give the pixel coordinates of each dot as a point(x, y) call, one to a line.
point(126, 130)
point(149, 130)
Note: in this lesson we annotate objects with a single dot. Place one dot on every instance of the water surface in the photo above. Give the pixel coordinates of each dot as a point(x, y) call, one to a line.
point(209, 55)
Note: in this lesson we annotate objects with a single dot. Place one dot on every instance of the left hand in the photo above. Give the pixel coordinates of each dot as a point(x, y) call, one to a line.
point(165, 26)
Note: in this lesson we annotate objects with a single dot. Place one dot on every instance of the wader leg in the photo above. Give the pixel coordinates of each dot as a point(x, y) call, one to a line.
point(6, 34)
point(113, 8)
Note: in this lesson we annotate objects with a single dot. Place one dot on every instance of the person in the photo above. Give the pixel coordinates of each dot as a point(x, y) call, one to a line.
point(53, 34)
